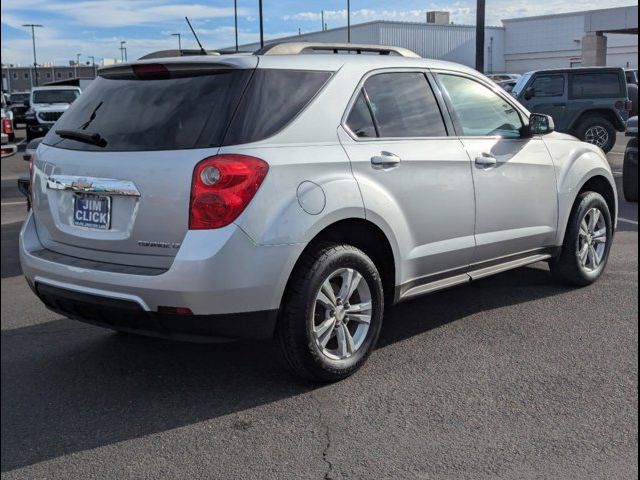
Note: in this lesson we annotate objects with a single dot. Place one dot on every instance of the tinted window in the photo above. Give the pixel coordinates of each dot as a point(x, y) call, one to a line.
point(606, 84)
point(273, 99)
point(549, 85)
point(159, 114)
point(19, 97)
point(481, 111)
point(404, 106)
point(359, 120)
point(55, 96)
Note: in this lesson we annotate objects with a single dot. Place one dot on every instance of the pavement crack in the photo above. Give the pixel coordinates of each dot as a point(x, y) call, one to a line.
point(327, 433)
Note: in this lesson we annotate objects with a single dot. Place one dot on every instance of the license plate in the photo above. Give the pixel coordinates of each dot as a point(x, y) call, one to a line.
point(92, 211)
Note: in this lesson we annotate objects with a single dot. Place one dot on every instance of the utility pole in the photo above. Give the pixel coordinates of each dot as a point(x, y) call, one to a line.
point(322, 17)
point(261, 24)
point(480, 10)
point(123, 51)
point(179, 41)
point(77, 63)
point(34, 77)
point(93, 64)
point(235, 20)
point(348, 21)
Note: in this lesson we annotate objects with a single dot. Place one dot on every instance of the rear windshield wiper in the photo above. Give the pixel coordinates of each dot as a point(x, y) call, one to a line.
point(91, 138)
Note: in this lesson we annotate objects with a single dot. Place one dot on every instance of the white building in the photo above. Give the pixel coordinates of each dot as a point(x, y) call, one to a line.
point(522, 44)
point(556, 41)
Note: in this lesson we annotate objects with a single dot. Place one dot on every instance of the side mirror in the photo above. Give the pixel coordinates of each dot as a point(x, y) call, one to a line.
point(529, 93)
point(541, 124)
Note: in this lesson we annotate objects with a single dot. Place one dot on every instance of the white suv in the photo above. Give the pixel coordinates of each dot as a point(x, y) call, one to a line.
point(295, 194)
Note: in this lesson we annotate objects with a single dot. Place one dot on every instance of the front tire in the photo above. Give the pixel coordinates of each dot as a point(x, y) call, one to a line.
point(332, 313)
point(587, 242)
point(597, 131)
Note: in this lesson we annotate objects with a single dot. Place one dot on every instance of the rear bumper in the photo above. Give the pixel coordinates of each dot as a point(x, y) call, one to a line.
point(128, 316)
point(232, 286)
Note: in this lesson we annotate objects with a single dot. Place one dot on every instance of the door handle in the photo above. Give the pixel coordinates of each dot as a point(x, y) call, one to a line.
point(385, 160)
point(486, 160)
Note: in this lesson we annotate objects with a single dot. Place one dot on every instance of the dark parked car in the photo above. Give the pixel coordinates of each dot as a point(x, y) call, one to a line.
point(630, 166)
point(19, 104)
point(632, 75)
point(589, 103)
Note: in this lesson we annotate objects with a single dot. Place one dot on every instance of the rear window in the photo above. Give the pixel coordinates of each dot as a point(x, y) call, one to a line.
point(55, 96)
point(601, 85)
point(19, 97)
point(223, 108)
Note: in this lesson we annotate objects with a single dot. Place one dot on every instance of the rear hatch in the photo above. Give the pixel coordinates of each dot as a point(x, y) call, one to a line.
point(112, 179)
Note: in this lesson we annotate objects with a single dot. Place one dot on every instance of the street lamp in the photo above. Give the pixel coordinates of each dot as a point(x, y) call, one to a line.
point(261, 24)
point(123, 51)
point(235, 20)
point(33, 26)
point(348, 21)
point(179, 41)
point(93, 64)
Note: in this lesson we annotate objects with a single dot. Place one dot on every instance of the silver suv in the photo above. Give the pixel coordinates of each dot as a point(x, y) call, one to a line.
point(294, 194)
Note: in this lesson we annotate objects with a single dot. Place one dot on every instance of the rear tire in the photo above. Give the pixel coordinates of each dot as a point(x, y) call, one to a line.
point(630, 174)
point(322, 336)
point(587, 242)
point(597, 131)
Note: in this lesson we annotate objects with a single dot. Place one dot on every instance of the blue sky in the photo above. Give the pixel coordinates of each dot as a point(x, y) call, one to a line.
point(96, 27)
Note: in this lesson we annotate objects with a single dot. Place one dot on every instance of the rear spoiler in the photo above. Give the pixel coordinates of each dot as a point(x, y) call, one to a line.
point(158, 71)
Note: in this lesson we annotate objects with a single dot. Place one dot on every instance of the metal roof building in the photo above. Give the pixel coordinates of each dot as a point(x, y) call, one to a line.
point(596, 37)
point(455, 43)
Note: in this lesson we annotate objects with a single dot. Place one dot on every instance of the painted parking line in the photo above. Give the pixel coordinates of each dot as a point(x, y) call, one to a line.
point(7, 204)
point(626, 220)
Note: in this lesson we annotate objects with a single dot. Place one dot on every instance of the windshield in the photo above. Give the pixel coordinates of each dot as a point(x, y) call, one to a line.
point(55, 96)
point(522, 81)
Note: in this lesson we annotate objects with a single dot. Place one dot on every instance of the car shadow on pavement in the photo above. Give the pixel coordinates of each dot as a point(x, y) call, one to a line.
point(69, 387)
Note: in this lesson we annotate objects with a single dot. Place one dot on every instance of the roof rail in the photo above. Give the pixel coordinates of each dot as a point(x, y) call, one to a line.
point(297, 48)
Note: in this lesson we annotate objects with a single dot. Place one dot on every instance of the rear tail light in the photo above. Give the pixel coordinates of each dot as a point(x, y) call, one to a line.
point(175, 310)
point(222, 187)
point(7, 127)
point(628, 105)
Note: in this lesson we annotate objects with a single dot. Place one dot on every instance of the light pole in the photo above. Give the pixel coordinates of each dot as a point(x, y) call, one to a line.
point(77, 63)
point(235, 20)
point(179, 41)
point(261, 24)
point(33, 26)
point(93, 64)
point(123, 51)
point(480, 7)
point(348, 21)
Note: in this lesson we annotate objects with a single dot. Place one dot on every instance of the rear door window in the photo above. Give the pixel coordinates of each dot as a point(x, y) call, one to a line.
point(403, 105)
point(549, 85)
point(596, 84)
point(360, 121)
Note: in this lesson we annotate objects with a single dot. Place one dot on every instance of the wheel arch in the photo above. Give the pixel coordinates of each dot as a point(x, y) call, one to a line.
point(368, 237)
point(606, 113)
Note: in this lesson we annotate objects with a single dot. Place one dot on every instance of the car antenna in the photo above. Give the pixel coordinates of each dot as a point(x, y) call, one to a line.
point(202, 50)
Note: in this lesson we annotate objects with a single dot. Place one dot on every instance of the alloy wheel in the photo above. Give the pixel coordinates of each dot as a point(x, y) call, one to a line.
point(592, 240)
point(342, 314)
point(597, 135)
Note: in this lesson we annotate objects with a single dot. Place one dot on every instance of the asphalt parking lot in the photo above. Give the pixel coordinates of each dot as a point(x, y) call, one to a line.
point(513, 376)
